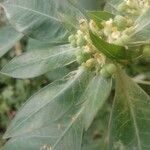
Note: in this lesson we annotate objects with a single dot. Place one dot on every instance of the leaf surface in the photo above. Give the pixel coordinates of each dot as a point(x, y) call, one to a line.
point(95, 95)
point(110, 50)
point(141, 34)
point(41, 19)
point(111, 6)
point(38, 62)
point(130, 123)
point(9, 37)
point(51, 118)
point(99, 16)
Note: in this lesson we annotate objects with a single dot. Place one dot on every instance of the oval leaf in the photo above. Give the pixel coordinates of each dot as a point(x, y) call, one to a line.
point(41, 19)
point(51, 118)
point(35, 63)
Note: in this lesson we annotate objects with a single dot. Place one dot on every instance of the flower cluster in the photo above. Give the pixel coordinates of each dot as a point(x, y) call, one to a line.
point(116, 30)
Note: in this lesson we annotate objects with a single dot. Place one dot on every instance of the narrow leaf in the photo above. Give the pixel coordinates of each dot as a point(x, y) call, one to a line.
point(51, 118)
point(110, 50)
point(35, 63)
point(96, 94)
point(130, 123)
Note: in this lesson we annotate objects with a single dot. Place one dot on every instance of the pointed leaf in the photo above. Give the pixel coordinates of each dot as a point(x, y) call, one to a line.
point(110, 50)
point(35, 63)
point(8, 38)
point(41, 19)
point(51, 118)
point(130, 123)
point(96, 94)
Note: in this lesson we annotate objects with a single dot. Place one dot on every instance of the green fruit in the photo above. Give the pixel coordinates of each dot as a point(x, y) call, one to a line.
point(120, 22)
point(146, 51)
point(90, 63)
point(104, 73)
point(111, 69)
point(108, 70)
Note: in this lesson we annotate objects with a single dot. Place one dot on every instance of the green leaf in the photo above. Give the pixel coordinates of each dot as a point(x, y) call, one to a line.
point(95, 137)
point(90, 4)
point(110, 50)
point(99, 16)
point(52, 117)
point(95, 95)
point(111, 6)
point(41, 19)
point(35, 45)
point(35, 63)
point(8, 38)
point(141, 33)
point(129, 122)
point(58, 73)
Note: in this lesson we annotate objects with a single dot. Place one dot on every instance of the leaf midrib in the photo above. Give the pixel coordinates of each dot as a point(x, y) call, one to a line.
point(35, 11)
point(124, 87)
point(77, 76)
point(37, 60)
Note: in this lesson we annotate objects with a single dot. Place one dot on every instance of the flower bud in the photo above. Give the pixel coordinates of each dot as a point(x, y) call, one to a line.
point(82, 56)
point(83, 25)
point(108, 70)
point(104, 73)
point(71, 38)
point(123, 40)
point(90, 63)
point(120, 22)
point(129, 30)
point(111, 69)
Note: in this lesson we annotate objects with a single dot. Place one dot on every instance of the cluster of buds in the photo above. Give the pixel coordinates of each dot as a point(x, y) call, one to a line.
point(87, 55)
point(134, 7)
point(116, 30)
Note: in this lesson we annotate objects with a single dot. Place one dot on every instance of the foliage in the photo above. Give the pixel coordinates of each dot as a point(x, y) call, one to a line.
point(87, 54)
